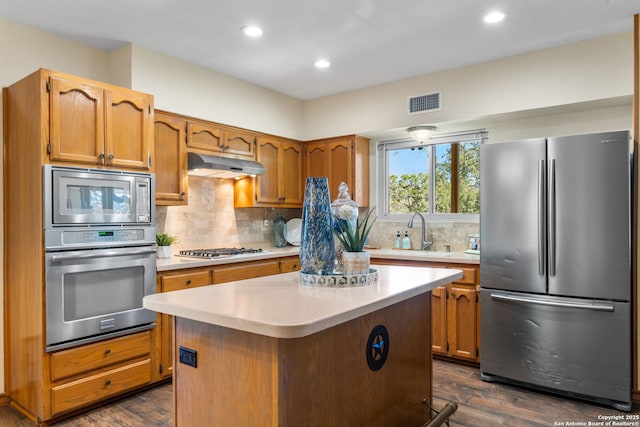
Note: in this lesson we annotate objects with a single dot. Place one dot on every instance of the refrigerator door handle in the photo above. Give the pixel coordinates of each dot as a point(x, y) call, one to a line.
point(552, 217)
point(542, 208)
point(596, 306)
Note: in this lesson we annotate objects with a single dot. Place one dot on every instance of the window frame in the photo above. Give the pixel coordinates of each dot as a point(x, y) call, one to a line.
point(382, 192)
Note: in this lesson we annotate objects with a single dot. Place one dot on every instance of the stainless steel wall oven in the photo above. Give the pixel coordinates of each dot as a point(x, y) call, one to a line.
point(99, 231)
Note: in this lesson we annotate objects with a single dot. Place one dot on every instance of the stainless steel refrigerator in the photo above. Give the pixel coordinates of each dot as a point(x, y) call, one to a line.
point(555, 265)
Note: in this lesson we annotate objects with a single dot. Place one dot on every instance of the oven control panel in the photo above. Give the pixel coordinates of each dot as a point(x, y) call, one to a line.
point(102, 236)
point(98, 237)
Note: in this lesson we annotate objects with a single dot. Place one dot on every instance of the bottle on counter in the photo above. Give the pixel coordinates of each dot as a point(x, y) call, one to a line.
point(406, 241)
point(279, 241)
point(397, 243)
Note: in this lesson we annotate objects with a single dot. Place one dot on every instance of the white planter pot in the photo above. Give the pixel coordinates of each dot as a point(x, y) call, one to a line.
point(356, 262)
point(164, 252)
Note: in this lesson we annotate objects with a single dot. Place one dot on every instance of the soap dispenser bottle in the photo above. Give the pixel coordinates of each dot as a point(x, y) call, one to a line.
point(406, 241)
point(397, 243)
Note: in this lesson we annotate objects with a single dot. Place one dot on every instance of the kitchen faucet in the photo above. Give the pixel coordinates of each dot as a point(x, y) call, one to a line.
point(424, 245)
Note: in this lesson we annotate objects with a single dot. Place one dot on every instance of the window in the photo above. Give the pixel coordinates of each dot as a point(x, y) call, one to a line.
point(441, 177)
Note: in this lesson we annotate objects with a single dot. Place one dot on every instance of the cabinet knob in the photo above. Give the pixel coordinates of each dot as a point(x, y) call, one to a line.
point(111, 157)
point(101, 156)
point(107, 383)
point(182, 194)
point(107, 351)
point(188, 281)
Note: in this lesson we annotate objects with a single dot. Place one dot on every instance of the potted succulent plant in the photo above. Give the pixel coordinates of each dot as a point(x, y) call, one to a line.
point(354, 258)
point(164, 242)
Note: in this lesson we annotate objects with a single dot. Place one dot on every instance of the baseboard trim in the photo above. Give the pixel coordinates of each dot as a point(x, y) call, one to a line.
point(4, 399)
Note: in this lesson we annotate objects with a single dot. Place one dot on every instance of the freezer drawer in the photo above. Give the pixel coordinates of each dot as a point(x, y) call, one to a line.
point(573, 346)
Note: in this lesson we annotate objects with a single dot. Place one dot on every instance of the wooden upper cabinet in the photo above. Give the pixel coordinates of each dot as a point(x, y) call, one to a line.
point(281, 185)
point(341, 159)
point(220, 140)
point(239, 141)
point(76, 121)
point(171, 159)
point(292, 189)
point(315, 159)
point(129, 135)
point(204, 135)
point(99, 124)
point(268, 184)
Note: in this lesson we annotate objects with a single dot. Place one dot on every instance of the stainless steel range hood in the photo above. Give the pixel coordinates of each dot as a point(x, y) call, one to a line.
point(222, 167)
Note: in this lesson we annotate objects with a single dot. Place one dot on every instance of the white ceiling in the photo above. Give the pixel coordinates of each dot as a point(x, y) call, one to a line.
point(369, 42)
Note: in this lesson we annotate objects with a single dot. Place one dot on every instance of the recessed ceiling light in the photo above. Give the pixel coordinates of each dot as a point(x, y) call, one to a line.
point(493, 17)
point(322, 63)
point(251, 31)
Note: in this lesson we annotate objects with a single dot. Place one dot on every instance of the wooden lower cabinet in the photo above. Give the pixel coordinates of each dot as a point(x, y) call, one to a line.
point(455, 312)
point(187, 278)
point(90, 373)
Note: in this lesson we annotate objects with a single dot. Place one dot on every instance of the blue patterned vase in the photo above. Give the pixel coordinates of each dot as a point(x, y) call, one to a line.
point(317, 251)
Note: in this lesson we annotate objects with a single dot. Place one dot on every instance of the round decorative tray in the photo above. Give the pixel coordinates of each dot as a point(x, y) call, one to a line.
point(339, 280)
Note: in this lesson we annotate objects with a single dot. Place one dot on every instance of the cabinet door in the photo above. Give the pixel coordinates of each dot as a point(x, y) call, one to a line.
point(129, 134)
point(267, 153)
point(76, 121)
point(292, 190)
point(170, 160)
point(204, 136)
point(439, 320)
point(241, 142)
point(461, 319)
point(315, 159)
point(340, 166)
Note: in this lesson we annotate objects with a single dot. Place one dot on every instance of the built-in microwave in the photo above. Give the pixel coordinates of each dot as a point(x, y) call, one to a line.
point(87, 197)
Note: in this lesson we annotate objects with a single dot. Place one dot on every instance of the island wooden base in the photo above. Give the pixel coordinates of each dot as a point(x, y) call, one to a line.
point(245, 379)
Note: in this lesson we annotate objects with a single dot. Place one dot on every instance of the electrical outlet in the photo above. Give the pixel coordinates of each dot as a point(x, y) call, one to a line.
point(265, 225)
point(188, 356)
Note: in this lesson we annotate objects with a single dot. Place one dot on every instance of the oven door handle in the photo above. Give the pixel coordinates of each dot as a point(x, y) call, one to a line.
point(61, 258)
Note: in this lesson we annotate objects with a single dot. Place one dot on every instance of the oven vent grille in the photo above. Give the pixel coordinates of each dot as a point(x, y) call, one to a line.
point(424, 103)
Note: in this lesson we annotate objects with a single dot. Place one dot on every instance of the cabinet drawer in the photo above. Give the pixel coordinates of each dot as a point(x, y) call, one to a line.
point(289, 265)
point(100, 386)
point(469, 275)
point(241, 272)
point(184, 281)
point(78, 360)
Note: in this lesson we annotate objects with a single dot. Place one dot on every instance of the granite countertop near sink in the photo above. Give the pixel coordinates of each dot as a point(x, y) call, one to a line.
point(435, 256)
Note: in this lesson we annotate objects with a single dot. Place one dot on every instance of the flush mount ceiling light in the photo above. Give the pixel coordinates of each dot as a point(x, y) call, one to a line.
point(251, 31)
point(494, 17)
point(421, 133)
point(322, 63)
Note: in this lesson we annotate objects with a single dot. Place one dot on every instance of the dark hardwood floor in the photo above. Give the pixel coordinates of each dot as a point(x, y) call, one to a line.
point(480, 404)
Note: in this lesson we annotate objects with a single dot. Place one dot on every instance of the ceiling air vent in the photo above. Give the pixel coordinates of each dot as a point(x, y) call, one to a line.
point(424, 103)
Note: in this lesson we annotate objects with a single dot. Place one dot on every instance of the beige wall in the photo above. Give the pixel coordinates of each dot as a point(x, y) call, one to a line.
point(198, 92)
point(594, 70)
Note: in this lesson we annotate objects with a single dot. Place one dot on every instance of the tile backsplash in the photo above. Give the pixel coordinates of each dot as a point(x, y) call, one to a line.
point(210, 220)
point(442, 233)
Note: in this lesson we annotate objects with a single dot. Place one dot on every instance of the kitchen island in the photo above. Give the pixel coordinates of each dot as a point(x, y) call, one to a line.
point(271, 352)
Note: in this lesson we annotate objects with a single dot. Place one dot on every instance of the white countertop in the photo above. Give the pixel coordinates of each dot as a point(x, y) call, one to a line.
point(176, 262)
point(278, 306)
point(431, 256)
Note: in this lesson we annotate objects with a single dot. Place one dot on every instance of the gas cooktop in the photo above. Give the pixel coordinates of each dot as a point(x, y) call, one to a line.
point(217, 252)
